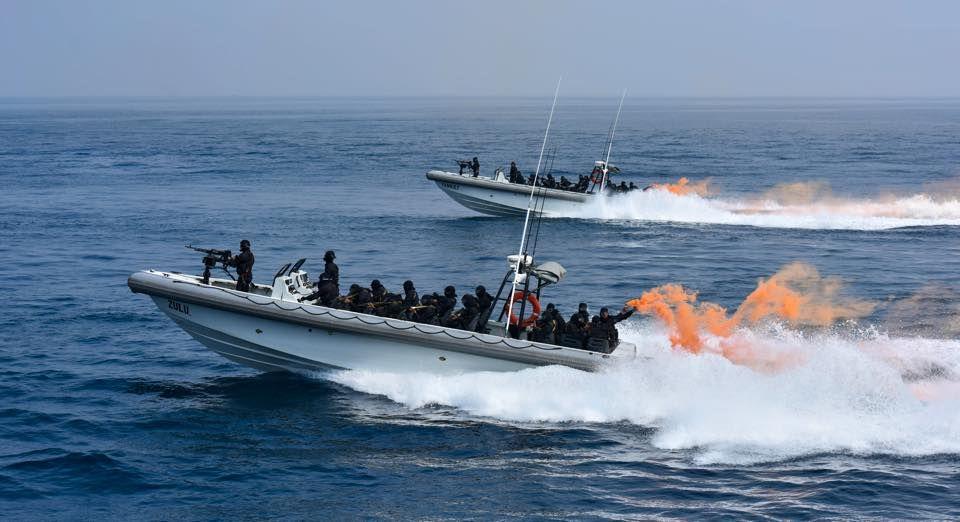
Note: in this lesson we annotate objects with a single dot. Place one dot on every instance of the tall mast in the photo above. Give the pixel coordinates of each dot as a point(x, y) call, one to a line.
point(533, 190)
point(613, 130)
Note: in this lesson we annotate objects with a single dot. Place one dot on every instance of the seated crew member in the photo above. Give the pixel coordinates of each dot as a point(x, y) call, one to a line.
point(579, 324)
point(377, 291)
point(346, 302)
point(484, 299)
point(605, 325)
point(363, 302)
point(244, 264)
point(550, 182)
point(632, 187)
point(530, 179)
point(475, 167)
point(410, 297)
point(546, 328)
point(623, 187)
point(446, 303)
point(426, 312)
point(564, 183)
point(464, 318)
point(515, 175)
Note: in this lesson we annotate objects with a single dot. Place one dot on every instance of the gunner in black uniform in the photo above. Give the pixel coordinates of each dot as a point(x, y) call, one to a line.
point(475, 167)
point(244, 264)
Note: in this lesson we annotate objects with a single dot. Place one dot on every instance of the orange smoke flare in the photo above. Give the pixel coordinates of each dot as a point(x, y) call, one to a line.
point(683, 187)
point(797, 294)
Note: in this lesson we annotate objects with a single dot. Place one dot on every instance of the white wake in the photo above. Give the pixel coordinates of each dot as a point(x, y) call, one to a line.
point(857, 394)
point(831, 214)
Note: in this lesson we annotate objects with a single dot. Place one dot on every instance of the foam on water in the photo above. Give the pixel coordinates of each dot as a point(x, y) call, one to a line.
point(855, 393)
point(850, 214)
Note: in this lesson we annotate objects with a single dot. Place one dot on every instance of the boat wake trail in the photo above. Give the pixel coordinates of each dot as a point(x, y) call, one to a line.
point(789, 373)
point(853, 393)
point(792, 205)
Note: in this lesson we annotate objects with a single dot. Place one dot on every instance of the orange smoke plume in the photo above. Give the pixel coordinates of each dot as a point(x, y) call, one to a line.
point(683, 187)
point(797, 294)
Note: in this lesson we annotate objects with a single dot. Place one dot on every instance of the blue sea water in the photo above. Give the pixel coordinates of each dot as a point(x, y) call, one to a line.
point(109, 410)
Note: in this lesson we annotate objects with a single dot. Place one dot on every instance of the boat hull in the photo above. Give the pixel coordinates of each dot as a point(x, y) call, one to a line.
point(502, 198)
point(275, 335)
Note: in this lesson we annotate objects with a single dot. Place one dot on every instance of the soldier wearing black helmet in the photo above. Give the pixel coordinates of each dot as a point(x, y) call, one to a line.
point(475, 167)
point(244, 264)
point(377, 291)
point(605, 325)
point(446, 303)
point(579, 324)
point(328, 285)
point(410, 297)
point(466, 317)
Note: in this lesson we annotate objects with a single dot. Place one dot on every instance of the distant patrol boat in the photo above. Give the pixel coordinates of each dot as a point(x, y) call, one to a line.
point(497, 196)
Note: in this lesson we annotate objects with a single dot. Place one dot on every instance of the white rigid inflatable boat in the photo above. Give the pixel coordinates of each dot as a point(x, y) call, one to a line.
point(269, 329)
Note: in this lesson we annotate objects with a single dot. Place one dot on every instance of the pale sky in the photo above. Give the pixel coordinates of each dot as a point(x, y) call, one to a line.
point(482, 47)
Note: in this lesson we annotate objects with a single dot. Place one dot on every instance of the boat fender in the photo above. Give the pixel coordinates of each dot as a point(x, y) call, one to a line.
point(532, 299)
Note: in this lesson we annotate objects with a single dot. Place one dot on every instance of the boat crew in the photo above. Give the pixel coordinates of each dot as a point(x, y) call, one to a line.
point(604, 326)
point(377, 291)
point(515, 175)
point(244, 264)
point(475, 167)
point(410, 297)
point(579, 324)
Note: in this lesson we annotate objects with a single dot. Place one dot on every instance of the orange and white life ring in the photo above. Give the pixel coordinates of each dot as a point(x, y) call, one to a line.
point(532, 299)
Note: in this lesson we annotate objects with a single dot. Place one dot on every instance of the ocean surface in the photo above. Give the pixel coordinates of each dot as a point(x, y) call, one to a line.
point(110, 411)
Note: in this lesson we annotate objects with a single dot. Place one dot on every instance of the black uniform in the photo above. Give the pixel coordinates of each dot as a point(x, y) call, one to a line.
point(605, 326)
point(579, 324)
point(446, 303)
point(515, 175)
point(378, 291)
point(328, 284)
point(475, 167)
point(244, 264)
point(410, 297)
point(466, 317)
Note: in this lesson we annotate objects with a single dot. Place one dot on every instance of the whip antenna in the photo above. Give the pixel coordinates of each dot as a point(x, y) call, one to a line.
point(533, 190)
point(613, 130)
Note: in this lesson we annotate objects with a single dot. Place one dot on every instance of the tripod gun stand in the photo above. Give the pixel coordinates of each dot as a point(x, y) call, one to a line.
point(211, 259)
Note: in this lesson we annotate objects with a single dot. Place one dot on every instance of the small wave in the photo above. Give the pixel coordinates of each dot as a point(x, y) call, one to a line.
point(852, 393)
point(919, 210)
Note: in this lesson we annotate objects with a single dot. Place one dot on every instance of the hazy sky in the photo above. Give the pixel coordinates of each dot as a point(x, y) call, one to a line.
point(481, 47)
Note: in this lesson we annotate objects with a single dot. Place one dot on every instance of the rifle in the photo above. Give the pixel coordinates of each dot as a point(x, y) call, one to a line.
point(210, 260)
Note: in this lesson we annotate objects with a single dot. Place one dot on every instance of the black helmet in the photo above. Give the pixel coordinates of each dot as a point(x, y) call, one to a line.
point(480, 290)
point(550, 306)
point(244, 243)
point(604, 310)
point(354, 288)
point(450, 291)
point(583, 307)
point(469, 301)
point(375, 284)
point(408, 285)
point(329, 256)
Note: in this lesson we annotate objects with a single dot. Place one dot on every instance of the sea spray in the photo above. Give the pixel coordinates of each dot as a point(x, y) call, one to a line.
point(807, 205)
point(848, 394)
